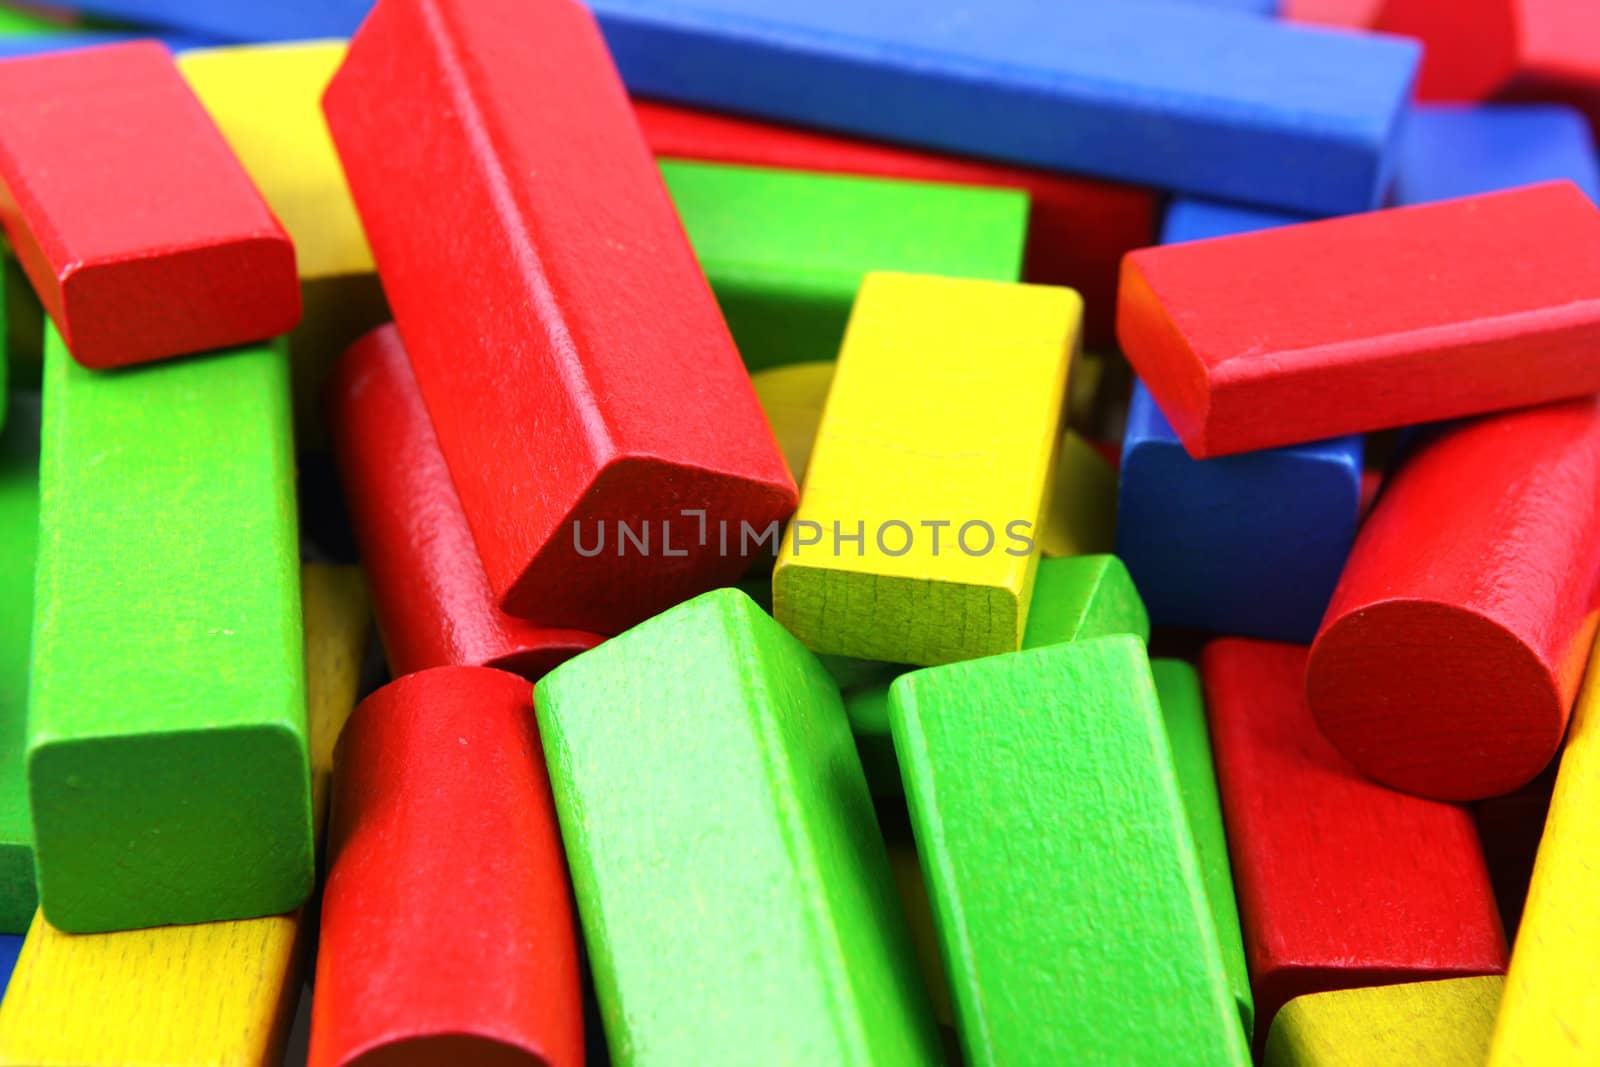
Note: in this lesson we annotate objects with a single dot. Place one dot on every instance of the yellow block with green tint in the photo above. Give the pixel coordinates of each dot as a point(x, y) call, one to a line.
point(1551, 1013)
point(915, 540)
point(785, 251)
point(168, 764)
point(1445, 1023)
point(19, 524)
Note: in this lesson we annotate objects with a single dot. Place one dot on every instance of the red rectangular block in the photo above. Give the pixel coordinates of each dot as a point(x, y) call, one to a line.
point(1342, 883)
point(1371, 321)
point(571, 355)
point(1078, 228)
point(137, 225)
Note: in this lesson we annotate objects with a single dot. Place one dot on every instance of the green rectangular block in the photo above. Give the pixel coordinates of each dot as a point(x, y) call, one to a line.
point(730, 874)
point(1184, 711)
point(785, 251)
point(167, 739)
point(1072, 918)
point(19, 524)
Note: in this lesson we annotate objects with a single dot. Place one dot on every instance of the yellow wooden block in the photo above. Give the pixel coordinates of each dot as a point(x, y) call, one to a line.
point(215, 994)
point(1445, 1023)
point(1081, 519)
point(1551, 1013)
point(793, 397)
point(917, 534)
point(267, 100)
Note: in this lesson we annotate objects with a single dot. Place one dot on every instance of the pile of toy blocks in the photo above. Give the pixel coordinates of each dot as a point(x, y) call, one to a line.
point(812, 532)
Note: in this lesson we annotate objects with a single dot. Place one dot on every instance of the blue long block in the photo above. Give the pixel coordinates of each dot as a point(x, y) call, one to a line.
point(237, 20)
point(19, 45)
point(10, 949)
point(1181, 96)
point(1249, 545)
point(1449, 151)
point(1190, 219)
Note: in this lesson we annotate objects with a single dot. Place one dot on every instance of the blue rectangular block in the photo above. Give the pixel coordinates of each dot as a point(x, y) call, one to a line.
point(1450, 151)
point(1181, 96)
point(1191, 219)
point(10, 949)
point(38, 44)
point(237, 20)
point(1249, 545)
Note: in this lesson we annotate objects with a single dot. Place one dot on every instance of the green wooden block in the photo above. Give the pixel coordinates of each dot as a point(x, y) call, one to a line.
point(1072, 917)
point(19, 525)
point(1184, 710)
point(16, 23)
point(1079, 597)
point(729, 871)
point(167, 748)
point(785, 251)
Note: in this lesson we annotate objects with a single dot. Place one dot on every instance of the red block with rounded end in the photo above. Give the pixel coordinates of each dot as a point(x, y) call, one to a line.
point(1342, 882)
point(1078, 228)
point(1450, 655)
point(571, 355)
point(135, 222)
point(429, 592)
point(447, 930)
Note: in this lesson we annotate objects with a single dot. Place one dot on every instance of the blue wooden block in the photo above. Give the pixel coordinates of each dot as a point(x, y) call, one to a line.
point(1192, 219)
point(38, 44)
point(1250, 545)
point(1181, 96)
point(1450, 151)
point(237, 20)
point(10, 949)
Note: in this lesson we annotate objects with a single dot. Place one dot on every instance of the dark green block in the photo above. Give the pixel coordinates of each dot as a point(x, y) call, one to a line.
point(19, 524)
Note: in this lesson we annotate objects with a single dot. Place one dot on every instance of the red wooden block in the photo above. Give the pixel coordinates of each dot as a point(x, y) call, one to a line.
point(1387, 319)
point(447, 931)
point(1451, 653)
point(569, 351)
point(429, 592)
point(1078, 228)
point(1342, 883)
point(137, 225)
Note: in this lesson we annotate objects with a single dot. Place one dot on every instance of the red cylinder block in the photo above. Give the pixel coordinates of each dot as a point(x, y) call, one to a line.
point(447, 928)
point(429, 591)
point(1451, 653)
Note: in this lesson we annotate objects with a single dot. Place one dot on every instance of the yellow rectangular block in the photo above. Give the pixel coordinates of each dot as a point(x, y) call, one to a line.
point(1551, 1012)
point(1445, 1023)
point(213, 994)
point(917, 534)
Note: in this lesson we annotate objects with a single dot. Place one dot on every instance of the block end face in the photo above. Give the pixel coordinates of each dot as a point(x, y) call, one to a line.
point(159, 829)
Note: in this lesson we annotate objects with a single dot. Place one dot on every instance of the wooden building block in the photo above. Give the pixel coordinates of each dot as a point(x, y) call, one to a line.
point(785, 251)
point(1351, 14)
point(10, 949)
point(1454, 645)
point(201, 264)
point(792, 398)
point(167, 747)
point(1078, 228)
point(945, 485)
point(1193, 219)
point(429, 591)
point(30, 21)
point(1083, 597)
point(205, 995)
point(39, 44)
point(1368, 322)
point(1342, 882)
point(1176, 96)
point(745, 798)
point(1249, 544)
point(1066, 940)
point(1551, 1012)
point(238, 20)
point(1448, 151)
point(19, 526)
point(1081, 516)
point(1183, 711)
point(442, 821)
point(572, 357)
point(1444, 1023)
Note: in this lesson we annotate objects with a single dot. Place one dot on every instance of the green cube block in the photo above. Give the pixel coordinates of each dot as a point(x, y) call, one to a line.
point(730, 874)
point(785, 251)
point(1184, 710)
point(19, 524)
point(1071, 914)
point(167, 741)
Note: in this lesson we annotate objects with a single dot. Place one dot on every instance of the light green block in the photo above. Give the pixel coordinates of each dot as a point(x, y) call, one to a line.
point(1079, 597)
point(1072, 917)
point(730, 874)
point(1184, 710)
point(785, 251)
point(19, 524)
point(18, 23)
point(167, 740)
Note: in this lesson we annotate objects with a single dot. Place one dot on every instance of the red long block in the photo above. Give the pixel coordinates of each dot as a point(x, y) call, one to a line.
point(447, 932)
point(569, 351)
point(1341, 882)
point(137, 225)
point(1452, 650)
point(429, 593)
point(1367, 322)
point(1078, 228)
